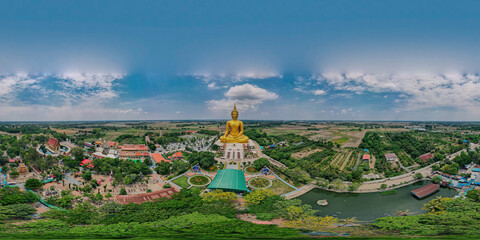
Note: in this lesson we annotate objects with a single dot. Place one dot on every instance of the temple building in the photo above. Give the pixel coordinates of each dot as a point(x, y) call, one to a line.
point(53, 145)
point(106, 149)
point(22, 169)
point(134, 152)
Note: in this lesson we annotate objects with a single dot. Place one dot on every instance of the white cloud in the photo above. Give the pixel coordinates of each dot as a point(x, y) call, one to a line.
point(12, 84)
point(68, 112)
point(246, 96)
point(318, 92)
point(216, 81)
point(90, 80)
point(416, 91)
point(68, 96)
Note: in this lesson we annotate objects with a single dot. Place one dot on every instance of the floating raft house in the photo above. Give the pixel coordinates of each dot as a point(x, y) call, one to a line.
point(425, 191)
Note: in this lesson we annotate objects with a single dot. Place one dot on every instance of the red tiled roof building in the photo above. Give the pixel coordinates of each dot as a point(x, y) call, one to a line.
point(53, 144)
point(134, 151)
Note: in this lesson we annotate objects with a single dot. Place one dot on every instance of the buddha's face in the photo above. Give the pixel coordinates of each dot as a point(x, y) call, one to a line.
point(234, 115)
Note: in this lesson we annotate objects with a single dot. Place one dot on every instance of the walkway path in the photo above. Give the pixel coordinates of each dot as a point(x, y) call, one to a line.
point(71, 179)
point(404, 168)
point(299, 191)
point(155, 174)
point(281, 179)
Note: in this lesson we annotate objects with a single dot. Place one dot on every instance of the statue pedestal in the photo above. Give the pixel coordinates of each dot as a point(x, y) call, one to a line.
point(237, 152)
point(234, 151)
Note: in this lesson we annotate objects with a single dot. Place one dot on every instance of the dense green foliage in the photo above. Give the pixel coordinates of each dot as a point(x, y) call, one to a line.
point(408, 146)
point(205, 159)
point(124, 171)
point(447, 217)
point(13, 195)
point(33, 183)
point(16, 211)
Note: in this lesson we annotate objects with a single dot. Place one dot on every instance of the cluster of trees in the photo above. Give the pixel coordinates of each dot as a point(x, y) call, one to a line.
point(26, 129)
point(65, 200)
point(170, 137)
point(124, 171)
point(267, 206)
point(176, 167)
point(181, 203)
point(13, 195)
point(459, 161)
point(205, 159)
point(14, 203)
point(399, 143)
point(130, 139)
point(208, 132)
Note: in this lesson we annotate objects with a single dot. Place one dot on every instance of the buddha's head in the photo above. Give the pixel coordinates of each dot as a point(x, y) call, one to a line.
point(234, 112)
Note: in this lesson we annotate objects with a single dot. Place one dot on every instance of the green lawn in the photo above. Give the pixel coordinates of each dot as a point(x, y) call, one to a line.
point(279, 188)
point(182, 181)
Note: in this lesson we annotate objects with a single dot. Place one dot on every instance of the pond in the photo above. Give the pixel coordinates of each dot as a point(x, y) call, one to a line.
point(369, 206)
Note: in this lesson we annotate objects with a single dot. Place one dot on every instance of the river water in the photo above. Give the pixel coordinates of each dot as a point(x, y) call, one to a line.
point(369, 206)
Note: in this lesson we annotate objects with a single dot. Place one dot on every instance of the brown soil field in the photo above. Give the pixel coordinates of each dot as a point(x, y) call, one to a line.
point(304, 153)
point(69, 131)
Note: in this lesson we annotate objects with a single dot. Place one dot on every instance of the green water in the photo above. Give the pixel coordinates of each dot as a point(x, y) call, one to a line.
point(369, 206)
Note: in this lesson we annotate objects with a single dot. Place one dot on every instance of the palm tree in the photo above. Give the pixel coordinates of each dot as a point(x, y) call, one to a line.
point(349, 221)
point(402, 212)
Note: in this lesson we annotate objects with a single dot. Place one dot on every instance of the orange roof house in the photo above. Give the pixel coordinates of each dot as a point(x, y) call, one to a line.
point(177, 155)
point(158, 158)
point(366, 157)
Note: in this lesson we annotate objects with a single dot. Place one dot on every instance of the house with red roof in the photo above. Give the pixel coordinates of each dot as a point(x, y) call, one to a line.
point(427, 156)
point(158, 158)
point(366, 157)
point(87, 163)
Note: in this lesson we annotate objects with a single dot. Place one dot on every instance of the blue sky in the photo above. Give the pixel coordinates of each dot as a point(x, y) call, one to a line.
point(315, 60)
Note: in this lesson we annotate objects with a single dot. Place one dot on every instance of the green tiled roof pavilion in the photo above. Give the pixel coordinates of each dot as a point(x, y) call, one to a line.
point(229, 180)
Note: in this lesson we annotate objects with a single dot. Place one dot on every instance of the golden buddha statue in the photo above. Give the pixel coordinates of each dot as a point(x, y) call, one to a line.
point(234, 133)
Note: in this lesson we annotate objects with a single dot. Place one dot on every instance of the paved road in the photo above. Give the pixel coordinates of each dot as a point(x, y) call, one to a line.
point(71, 179)
point(155, 174)
point(408, 177)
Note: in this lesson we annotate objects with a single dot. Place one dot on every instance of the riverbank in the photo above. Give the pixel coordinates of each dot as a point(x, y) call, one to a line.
point(369, 206)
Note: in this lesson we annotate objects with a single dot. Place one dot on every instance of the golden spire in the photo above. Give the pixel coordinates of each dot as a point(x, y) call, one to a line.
point(234, 108)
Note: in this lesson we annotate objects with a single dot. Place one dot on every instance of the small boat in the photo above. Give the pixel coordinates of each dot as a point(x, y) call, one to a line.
point(322, 202)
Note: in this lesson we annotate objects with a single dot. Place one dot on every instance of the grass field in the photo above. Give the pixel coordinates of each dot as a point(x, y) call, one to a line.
point(279, 188)
point(182, 181)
